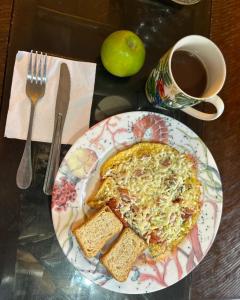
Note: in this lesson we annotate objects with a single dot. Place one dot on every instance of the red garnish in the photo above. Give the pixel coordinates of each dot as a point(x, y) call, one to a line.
point(124, 194)
point(186, 213)
point(154, 238)
point(193, 159)
point(177, 200)
point(113, 204)
point(166, 162)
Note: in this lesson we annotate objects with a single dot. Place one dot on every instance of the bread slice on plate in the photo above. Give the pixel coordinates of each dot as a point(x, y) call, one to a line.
point(97, 231)
point(120, 258)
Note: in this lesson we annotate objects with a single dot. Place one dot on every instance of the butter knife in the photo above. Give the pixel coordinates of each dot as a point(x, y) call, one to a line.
point(63, 97)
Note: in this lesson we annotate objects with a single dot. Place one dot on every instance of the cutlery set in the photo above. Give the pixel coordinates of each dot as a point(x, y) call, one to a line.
point(35, 90)
point(63, 97)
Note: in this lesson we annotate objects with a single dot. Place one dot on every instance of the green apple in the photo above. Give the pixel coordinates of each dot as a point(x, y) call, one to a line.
point(123, 53)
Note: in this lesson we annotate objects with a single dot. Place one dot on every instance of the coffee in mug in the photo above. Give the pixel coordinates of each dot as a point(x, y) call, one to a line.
point(192, 71)
point(194, 81)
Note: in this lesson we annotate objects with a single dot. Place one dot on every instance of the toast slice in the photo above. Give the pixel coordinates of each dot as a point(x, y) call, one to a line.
point(97, 231)
point(120, 258)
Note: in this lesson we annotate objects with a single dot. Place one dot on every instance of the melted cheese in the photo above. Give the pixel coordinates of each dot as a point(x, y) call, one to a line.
point(158, 194)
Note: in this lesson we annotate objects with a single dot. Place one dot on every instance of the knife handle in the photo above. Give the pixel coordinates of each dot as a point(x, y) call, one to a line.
point(54, 157)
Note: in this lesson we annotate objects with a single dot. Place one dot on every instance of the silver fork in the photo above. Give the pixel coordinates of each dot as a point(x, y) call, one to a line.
point(35, 90)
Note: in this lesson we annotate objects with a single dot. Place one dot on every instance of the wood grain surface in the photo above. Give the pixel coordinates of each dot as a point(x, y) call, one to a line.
point(217, 277)
point(5, 20)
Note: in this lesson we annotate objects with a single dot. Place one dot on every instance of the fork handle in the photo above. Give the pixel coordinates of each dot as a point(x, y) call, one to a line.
point(54, 157)
point(24, 172)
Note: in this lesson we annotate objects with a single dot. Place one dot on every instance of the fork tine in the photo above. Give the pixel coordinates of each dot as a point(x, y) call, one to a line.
point(35, 67)
point(39, 76)
point(45, 68)
point(29, 73)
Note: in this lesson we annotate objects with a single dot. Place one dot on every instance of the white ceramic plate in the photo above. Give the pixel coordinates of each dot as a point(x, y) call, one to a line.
point(79, 173)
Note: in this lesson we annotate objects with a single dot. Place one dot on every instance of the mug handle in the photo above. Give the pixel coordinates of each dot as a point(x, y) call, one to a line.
point(216, 101)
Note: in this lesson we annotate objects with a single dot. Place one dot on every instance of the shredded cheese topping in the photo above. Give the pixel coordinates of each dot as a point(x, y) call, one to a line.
point(158, 195)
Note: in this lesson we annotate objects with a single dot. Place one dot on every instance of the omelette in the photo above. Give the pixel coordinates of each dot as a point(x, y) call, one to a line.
point(153, 188)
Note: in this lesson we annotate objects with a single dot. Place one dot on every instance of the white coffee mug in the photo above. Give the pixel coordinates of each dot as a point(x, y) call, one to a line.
point(163, 91)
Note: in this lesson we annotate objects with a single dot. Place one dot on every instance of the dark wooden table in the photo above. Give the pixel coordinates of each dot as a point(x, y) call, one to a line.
point(217, 276)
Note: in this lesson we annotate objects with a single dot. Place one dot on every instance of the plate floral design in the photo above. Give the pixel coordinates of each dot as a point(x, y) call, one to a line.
point(79, 173)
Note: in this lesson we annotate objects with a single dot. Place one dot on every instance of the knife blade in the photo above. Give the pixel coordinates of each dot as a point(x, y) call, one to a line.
point(63, 93)
point(62, 102)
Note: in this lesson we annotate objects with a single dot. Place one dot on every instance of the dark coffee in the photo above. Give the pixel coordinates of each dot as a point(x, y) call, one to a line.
point(189, 73)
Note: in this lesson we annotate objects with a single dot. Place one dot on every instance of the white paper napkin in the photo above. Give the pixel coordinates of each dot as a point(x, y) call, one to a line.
point(78, 114)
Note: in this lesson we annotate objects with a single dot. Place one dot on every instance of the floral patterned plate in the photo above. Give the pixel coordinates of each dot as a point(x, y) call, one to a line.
point(77, 178)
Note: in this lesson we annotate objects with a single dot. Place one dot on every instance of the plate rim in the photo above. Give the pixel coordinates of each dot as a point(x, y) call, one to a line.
point(74, 145)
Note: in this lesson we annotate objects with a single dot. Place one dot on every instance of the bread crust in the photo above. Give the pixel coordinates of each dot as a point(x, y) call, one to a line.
point(137, 251)
point(84, 226)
